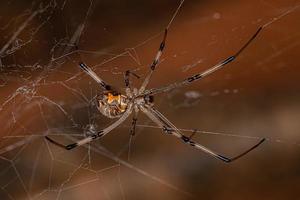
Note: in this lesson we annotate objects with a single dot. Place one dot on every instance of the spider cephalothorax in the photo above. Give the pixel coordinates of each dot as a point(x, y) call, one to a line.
point(115, 105)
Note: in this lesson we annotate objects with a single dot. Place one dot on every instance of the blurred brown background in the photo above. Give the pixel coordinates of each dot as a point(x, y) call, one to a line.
point(44, 92)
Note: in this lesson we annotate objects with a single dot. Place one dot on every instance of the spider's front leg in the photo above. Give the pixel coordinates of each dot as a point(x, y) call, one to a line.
point(154, 63)
point(169, 128)
point(201, 75)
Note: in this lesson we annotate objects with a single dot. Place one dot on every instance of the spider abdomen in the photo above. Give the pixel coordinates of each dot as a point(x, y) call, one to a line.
point(112, 106)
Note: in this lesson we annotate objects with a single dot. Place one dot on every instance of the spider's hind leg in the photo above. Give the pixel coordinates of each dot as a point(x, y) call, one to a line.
point(94, 76)
point(97, 135)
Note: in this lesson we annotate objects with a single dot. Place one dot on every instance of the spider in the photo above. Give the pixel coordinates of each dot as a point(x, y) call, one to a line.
point(113, 104)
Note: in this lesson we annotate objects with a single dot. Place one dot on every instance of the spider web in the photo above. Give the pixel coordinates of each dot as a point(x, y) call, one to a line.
point(43, 92)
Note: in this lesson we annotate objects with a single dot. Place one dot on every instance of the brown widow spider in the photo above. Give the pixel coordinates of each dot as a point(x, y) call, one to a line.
point(113, 104)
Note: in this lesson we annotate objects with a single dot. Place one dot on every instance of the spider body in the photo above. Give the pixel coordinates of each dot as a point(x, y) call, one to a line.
point(113, 104)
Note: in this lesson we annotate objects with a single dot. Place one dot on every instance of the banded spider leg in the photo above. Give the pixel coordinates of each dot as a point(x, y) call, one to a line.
point(201, 75)
point(169, 128)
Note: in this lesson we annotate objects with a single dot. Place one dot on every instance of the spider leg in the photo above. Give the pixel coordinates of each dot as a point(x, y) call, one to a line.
point(132, 131)
point(133, 123)
point(92, 74)
point(202, 74)
point(127, 82)
point(169, 128)
point(98, 135)
point(154, 63)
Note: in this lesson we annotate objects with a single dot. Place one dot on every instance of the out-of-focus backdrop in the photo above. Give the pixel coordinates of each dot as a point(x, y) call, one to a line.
point(43, 92)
